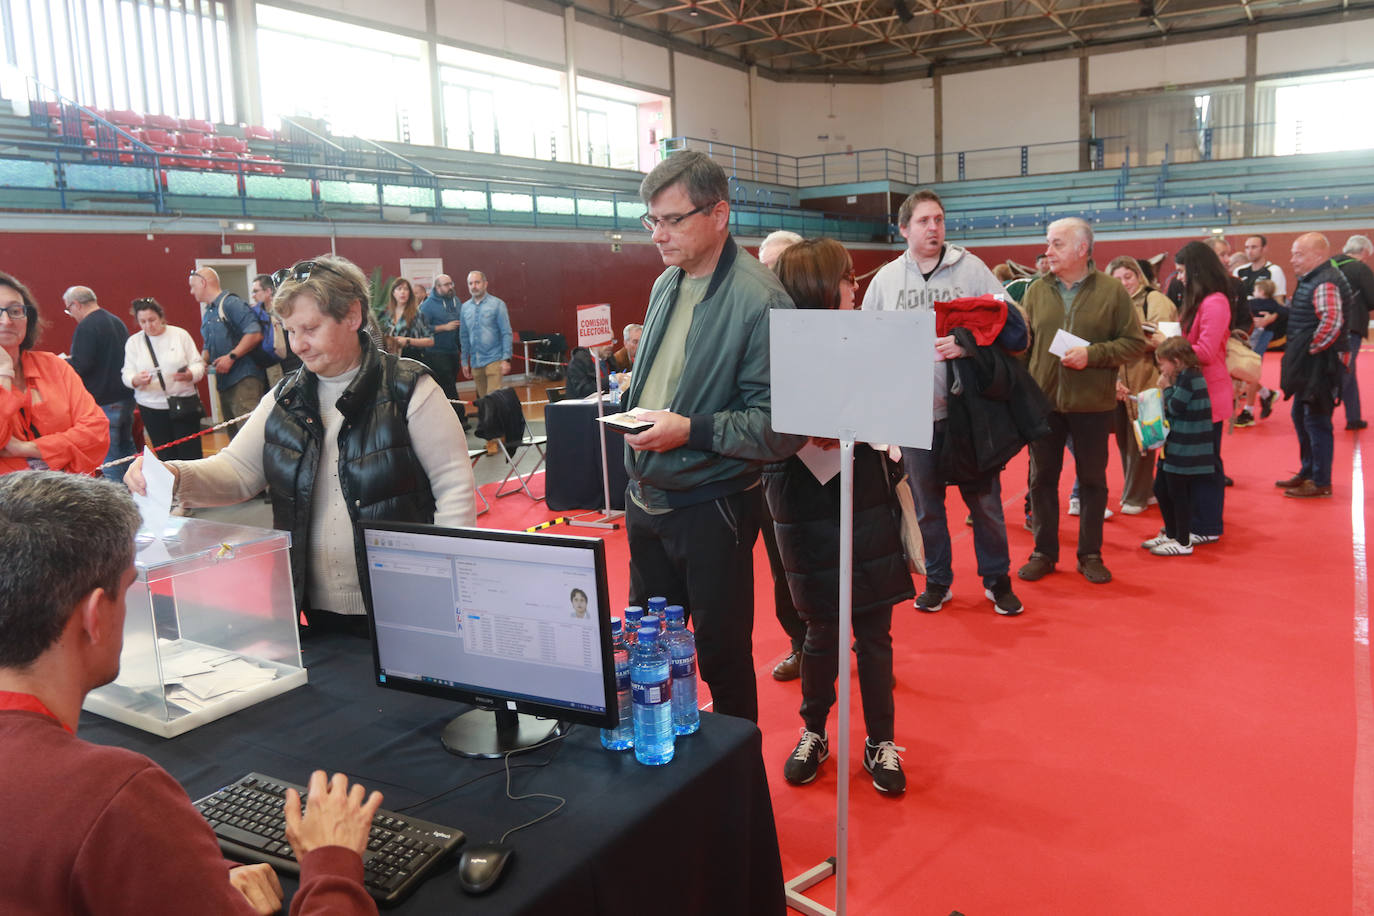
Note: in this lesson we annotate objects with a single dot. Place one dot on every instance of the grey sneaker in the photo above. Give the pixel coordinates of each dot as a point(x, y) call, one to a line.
point(1003, 598)
point(933, 598)
point(883, 762)
point(806, 758)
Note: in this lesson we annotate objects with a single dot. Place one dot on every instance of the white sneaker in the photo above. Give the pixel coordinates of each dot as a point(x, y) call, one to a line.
point(1155, 541)
point(1106, 514)
point(1205, 539)
point(1129, 509)
point(1074, 507)
point(1171, 548)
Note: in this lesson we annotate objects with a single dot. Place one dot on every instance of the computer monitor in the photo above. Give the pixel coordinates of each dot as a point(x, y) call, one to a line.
point(516, 624)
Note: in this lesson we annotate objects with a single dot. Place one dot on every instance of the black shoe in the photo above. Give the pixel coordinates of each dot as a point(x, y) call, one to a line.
point(1226, 481)
point(1005, 600)
point(885, 765)
point(1266, 402)
point(806, 758)
point(1357, 424)
point(789, 669)
point(933, 598)
point(1244, 419)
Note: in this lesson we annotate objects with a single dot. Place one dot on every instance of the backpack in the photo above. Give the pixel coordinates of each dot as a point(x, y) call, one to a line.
point(272, 350)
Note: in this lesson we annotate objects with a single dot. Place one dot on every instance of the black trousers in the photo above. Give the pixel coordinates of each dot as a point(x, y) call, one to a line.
point(821, 666)
point(159, 428)
point(1090, 433)
point(786, 611)
point(1175, 495)
point(445, 369)
point(1209, 492)
point(702, 557)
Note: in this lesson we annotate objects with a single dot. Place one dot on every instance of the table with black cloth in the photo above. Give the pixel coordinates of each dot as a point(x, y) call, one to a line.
point(572, 476)
point(694, 836)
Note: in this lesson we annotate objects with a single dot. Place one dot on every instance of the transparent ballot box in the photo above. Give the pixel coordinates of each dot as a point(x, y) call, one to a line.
point(210, 628)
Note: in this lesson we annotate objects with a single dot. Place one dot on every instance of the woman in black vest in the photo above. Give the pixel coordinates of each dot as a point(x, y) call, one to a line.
point(819, 274)
point(355, 433)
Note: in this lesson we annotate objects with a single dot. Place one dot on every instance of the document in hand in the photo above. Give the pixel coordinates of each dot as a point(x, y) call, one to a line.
point(628, 422)
point(1064, 342)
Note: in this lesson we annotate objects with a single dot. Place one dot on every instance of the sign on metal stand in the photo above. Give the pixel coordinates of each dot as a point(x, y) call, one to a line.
point(856, 377)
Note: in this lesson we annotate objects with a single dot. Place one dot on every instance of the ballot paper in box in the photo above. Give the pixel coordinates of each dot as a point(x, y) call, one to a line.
point(1151, 429)
point(210, 628)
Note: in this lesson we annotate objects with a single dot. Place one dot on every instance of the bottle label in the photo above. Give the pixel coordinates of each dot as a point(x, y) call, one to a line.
point(653, 694)
point(684, 667)
point(622, 678)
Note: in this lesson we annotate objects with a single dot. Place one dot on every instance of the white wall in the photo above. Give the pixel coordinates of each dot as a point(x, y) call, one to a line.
point(712, 101)
point(615, 58)
point(1170, 65)
point(797, 117)
point(406, 14)
point(1316, 47)
point(1033, 103)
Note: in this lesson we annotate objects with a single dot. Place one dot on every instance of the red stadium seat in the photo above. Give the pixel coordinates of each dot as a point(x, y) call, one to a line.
point(253, 132)
point(126, 119)
point(162, 122)
point(198, 126)
point(230, 145)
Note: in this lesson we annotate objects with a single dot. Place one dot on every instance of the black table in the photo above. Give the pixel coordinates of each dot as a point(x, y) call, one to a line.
point(695, 836)
point(572, 475)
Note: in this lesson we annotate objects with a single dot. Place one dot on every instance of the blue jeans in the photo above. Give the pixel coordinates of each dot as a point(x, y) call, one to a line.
point(1350, 392)
point(1260, 339)
point(989, 528)
point(121, 417)
point(1316, 443)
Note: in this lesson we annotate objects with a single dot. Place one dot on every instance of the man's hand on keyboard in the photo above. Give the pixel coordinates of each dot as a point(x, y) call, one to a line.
point(259, 884)
point(335, 815)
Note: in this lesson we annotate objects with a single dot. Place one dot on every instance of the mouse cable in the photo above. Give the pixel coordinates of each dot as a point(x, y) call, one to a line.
point(467, 782)
point(558, 798)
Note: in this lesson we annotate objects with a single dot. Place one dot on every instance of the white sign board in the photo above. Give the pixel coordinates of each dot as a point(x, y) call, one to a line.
point(422, 271)
point(866, 376)
point(594, 328)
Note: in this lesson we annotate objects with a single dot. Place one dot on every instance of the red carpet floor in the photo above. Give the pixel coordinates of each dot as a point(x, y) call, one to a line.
point(1194, 737)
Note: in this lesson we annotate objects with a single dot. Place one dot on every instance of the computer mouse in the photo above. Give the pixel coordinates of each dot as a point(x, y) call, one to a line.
point(480, 867)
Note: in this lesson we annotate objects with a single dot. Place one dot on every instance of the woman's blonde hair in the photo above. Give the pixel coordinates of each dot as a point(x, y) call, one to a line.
point(334, 283)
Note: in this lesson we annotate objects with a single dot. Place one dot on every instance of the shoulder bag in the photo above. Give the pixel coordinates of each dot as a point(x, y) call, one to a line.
point(179, 407)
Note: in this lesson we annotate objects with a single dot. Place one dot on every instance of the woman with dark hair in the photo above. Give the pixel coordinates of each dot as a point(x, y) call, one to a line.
point(1206, 319)
point(407, 332)
point(47, 417)
point(818, 273)
point(163, 361)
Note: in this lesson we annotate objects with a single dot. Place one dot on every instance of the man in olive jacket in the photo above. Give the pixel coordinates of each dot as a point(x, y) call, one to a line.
point(1083, 301)
point(702, 373)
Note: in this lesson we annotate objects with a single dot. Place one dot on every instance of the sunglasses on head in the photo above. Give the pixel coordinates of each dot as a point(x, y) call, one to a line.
point(299, 272)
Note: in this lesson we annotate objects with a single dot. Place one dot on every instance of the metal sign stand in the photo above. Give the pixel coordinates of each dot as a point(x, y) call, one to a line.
point(609, 517)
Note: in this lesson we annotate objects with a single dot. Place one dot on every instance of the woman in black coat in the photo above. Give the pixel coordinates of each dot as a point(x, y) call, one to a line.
point(819, 274)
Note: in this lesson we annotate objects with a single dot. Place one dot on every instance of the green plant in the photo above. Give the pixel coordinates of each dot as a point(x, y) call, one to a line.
point(378, 290)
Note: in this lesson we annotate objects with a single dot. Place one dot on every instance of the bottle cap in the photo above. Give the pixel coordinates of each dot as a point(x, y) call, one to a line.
point(674, 612)
point(616, 626)
point(648, 634)
point(633, 613)
point(657, 604)
point(651, 620)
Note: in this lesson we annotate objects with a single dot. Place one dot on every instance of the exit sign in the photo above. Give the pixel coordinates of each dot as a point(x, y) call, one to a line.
point(243, 248)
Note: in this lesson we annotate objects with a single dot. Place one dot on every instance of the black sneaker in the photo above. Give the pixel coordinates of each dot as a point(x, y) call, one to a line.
point(1244, 419)
point(885, 765)
point(1005, 600)
point(933, 598)
point(1266, 402)
point(806, 758)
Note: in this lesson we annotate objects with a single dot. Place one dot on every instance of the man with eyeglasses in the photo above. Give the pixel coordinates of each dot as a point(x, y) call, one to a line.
point(230, 331)
point(694, 504)
point(442, 309)
point(97, 355)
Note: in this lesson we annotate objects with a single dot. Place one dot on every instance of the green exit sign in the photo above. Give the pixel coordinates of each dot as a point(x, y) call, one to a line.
point(243, 248)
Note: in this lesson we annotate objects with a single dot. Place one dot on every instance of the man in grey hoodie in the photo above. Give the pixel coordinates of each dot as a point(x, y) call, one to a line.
point(931, 271)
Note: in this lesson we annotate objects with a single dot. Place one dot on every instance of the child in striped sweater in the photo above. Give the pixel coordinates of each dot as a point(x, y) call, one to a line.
point(1188, 448)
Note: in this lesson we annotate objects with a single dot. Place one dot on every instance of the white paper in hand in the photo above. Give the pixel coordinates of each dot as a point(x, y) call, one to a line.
point(1171, 328)
point(1064, 342)
point(822, 463)
point(156, 507)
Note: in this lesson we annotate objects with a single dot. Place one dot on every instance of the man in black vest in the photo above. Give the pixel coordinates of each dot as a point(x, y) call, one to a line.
point(98, 356)
point(1352, 263)
point(1312, 373)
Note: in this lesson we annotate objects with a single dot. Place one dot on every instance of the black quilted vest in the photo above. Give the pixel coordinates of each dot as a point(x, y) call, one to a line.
point(379, 473)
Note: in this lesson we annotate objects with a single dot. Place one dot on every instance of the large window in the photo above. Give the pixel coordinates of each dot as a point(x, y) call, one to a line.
point(164, 57)
point(361, 82)
point(493, 105)
point(1187, 124)
point(1316, 114)
point(608, 123)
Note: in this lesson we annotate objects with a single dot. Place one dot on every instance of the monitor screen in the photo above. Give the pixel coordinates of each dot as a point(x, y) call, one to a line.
point(510, 622)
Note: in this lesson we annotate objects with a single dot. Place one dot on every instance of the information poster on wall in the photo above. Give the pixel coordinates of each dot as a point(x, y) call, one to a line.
point(594, 328)
point(422, 271)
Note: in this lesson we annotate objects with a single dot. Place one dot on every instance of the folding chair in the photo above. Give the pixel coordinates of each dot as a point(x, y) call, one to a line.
point(527, 442)
point(473, 455)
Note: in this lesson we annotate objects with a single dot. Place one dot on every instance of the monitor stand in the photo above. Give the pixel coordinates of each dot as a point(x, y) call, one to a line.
point(496, 733)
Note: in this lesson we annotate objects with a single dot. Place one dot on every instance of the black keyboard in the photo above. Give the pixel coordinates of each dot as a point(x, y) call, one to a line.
point(402, 851)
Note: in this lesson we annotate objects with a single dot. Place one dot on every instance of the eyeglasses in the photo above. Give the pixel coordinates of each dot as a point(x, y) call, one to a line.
point(142, 303)
point(300, 272)
point(195, 274)
point(672, 222)
point(16, 312)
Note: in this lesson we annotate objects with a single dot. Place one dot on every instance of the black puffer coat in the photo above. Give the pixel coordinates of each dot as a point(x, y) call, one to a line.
point(807, 517)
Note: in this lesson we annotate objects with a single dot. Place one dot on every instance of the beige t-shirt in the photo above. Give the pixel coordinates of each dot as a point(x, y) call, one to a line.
point(666, 370)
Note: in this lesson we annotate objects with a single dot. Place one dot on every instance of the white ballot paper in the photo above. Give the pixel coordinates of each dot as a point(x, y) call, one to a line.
point(1064, 342)
point(822, 463)
point(1171, 328)
point(156, 507)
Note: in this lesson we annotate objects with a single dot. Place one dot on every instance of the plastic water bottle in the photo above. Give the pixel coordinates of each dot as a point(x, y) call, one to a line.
point(615, 392)
point(622, 737)
point(656, 606)
point(682, 649)
point(652, 686)
point(652, 620)
point(633, 614)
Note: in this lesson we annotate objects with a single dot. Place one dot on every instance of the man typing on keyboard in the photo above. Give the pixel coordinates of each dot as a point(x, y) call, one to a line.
point(92, 829)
